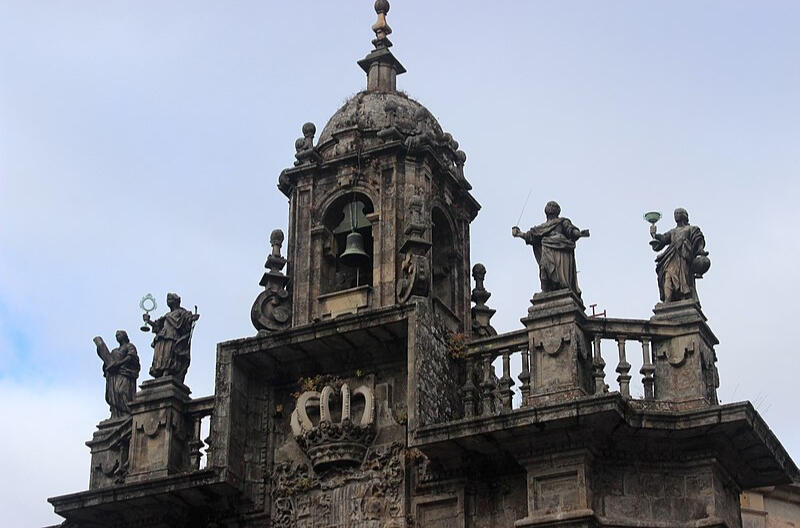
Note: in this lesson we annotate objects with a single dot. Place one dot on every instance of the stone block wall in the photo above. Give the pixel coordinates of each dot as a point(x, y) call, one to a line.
point(681, 493)
point(435, 375)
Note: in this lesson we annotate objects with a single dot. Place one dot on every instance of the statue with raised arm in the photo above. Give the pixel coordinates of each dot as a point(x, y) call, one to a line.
point(120, 368)
point(684, 259)
point(172, 343)
point(554, 248)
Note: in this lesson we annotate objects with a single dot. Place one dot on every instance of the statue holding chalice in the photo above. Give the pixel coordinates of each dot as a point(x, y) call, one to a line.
point(172, 343)
point(683, 260)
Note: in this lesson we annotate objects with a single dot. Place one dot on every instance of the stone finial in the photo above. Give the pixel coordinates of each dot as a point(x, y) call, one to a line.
point(272, 309)
point(481, 314)
point(391, 131)
point(304, 146)
point(381, 27)
point(460, 158)
point(276, 262)
point(381, 67)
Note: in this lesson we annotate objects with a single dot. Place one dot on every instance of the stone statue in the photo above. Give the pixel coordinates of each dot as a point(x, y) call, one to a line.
point(684, 259)
point(171, 346)
point(554, 248)
point(120, 368)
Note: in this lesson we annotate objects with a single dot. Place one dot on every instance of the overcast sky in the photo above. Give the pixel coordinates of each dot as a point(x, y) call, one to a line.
point(141, 142)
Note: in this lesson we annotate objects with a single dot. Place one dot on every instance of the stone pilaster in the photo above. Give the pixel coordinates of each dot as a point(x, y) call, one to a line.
point(561, 359)
point(161, 430)
point(685, 365)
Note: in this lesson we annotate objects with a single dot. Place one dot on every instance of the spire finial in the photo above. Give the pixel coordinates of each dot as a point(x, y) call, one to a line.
point(381, 28)
point(381, 67)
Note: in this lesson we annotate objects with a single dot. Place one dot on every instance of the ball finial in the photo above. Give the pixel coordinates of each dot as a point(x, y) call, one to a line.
point(381, 6)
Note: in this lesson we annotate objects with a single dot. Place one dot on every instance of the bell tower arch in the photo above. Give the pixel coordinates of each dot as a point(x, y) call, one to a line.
point(379, 205)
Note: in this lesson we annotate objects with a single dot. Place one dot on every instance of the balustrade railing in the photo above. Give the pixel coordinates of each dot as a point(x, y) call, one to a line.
point(486, 393)
point(622, 332)
point(199, 411)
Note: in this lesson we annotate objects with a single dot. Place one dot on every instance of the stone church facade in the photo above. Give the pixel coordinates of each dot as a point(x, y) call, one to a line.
point(376, 394)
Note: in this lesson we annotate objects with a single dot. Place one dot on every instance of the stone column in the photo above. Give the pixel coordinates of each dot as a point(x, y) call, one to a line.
point(561, 359)
point(161, 430)
point(685, 365)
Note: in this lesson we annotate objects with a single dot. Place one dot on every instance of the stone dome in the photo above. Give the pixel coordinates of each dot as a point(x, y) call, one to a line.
point(372, 111)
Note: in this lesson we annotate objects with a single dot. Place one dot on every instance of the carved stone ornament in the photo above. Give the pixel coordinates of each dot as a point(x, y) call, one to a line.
point(305, 152)
point(331, 443)
point(676, 356)
point(414, 279)
point(272, 309)
point(481, 314)
point(554, 345)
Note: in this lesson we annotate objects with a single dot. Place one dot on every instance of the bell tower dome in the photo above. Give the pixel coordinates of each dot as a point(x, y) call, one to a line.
point(379, 206)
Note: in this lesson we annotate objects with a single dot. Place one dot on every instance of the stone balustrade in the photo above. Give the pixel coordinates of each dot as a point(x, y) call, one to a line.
point(565, 361)
point(199, 411)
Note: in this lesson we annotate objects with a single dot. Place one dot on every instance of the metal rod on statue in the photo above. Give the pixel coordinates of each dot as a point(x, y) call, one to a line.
point(524, 206)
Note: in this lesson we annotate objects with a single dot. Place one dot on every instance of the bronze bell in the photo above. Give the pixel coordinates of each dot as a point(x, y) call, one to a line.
point(354, 254)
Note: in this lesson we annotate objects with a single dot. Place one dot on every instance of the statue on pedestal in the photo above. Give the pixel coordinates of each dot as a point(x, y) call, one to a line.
point(171, 346)
point(120, 368)
point(554, 248)
point(684, 259)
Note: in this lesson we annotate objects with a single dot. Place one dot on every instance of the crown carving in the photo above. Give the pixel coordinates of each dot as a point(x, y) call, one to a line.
point(329, 443)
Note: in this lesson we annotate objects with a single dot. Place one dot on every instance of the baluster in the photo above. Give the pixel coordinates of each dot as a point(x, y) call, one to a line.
point(468, 391)
point(623, 369)
point(488, 386)
point(196, 444)
point(647, 370)
point(598, 368)
point(506, 382)
point(525, 377)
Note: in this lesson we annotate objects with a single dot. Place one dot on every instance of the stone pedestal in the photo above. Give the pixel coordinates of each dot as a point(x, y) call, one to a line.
point(685, 365)
point(161, 430)
point(109, 447)
point(561, 359)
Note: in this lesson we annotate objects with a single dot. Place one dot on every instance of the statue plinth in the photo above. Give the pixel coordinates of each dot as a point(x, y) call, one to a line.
point(561, 358)
point(685, 364)
point(109, 448)
point(161, 430)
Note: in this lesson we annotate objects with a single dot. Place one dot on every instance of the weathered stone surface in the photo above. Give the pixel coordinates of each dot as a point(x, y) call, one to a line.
point(561, 358)
point(683, 261)
point(121, 369)
point(376, 396)
point(160, 430)
point(554, 248)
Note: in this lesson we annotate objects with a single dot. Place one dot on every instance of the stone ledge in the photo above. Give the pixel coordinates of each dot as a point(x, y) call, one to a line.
point(191, 489)
point(735, 432)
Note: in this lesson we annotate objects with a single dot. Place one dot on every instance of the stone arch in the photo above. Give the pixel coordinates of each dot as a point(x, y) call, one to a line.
point(342, 213)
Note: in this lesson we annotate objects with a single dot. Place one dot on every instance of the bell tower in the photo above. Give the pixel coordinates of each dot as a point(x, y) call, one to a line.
point(379, 207)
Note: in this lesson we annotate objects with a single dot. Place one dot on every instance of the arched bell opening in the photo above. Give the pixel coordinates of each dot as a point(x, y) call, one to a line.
point(442, 241)
point(350, 256)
